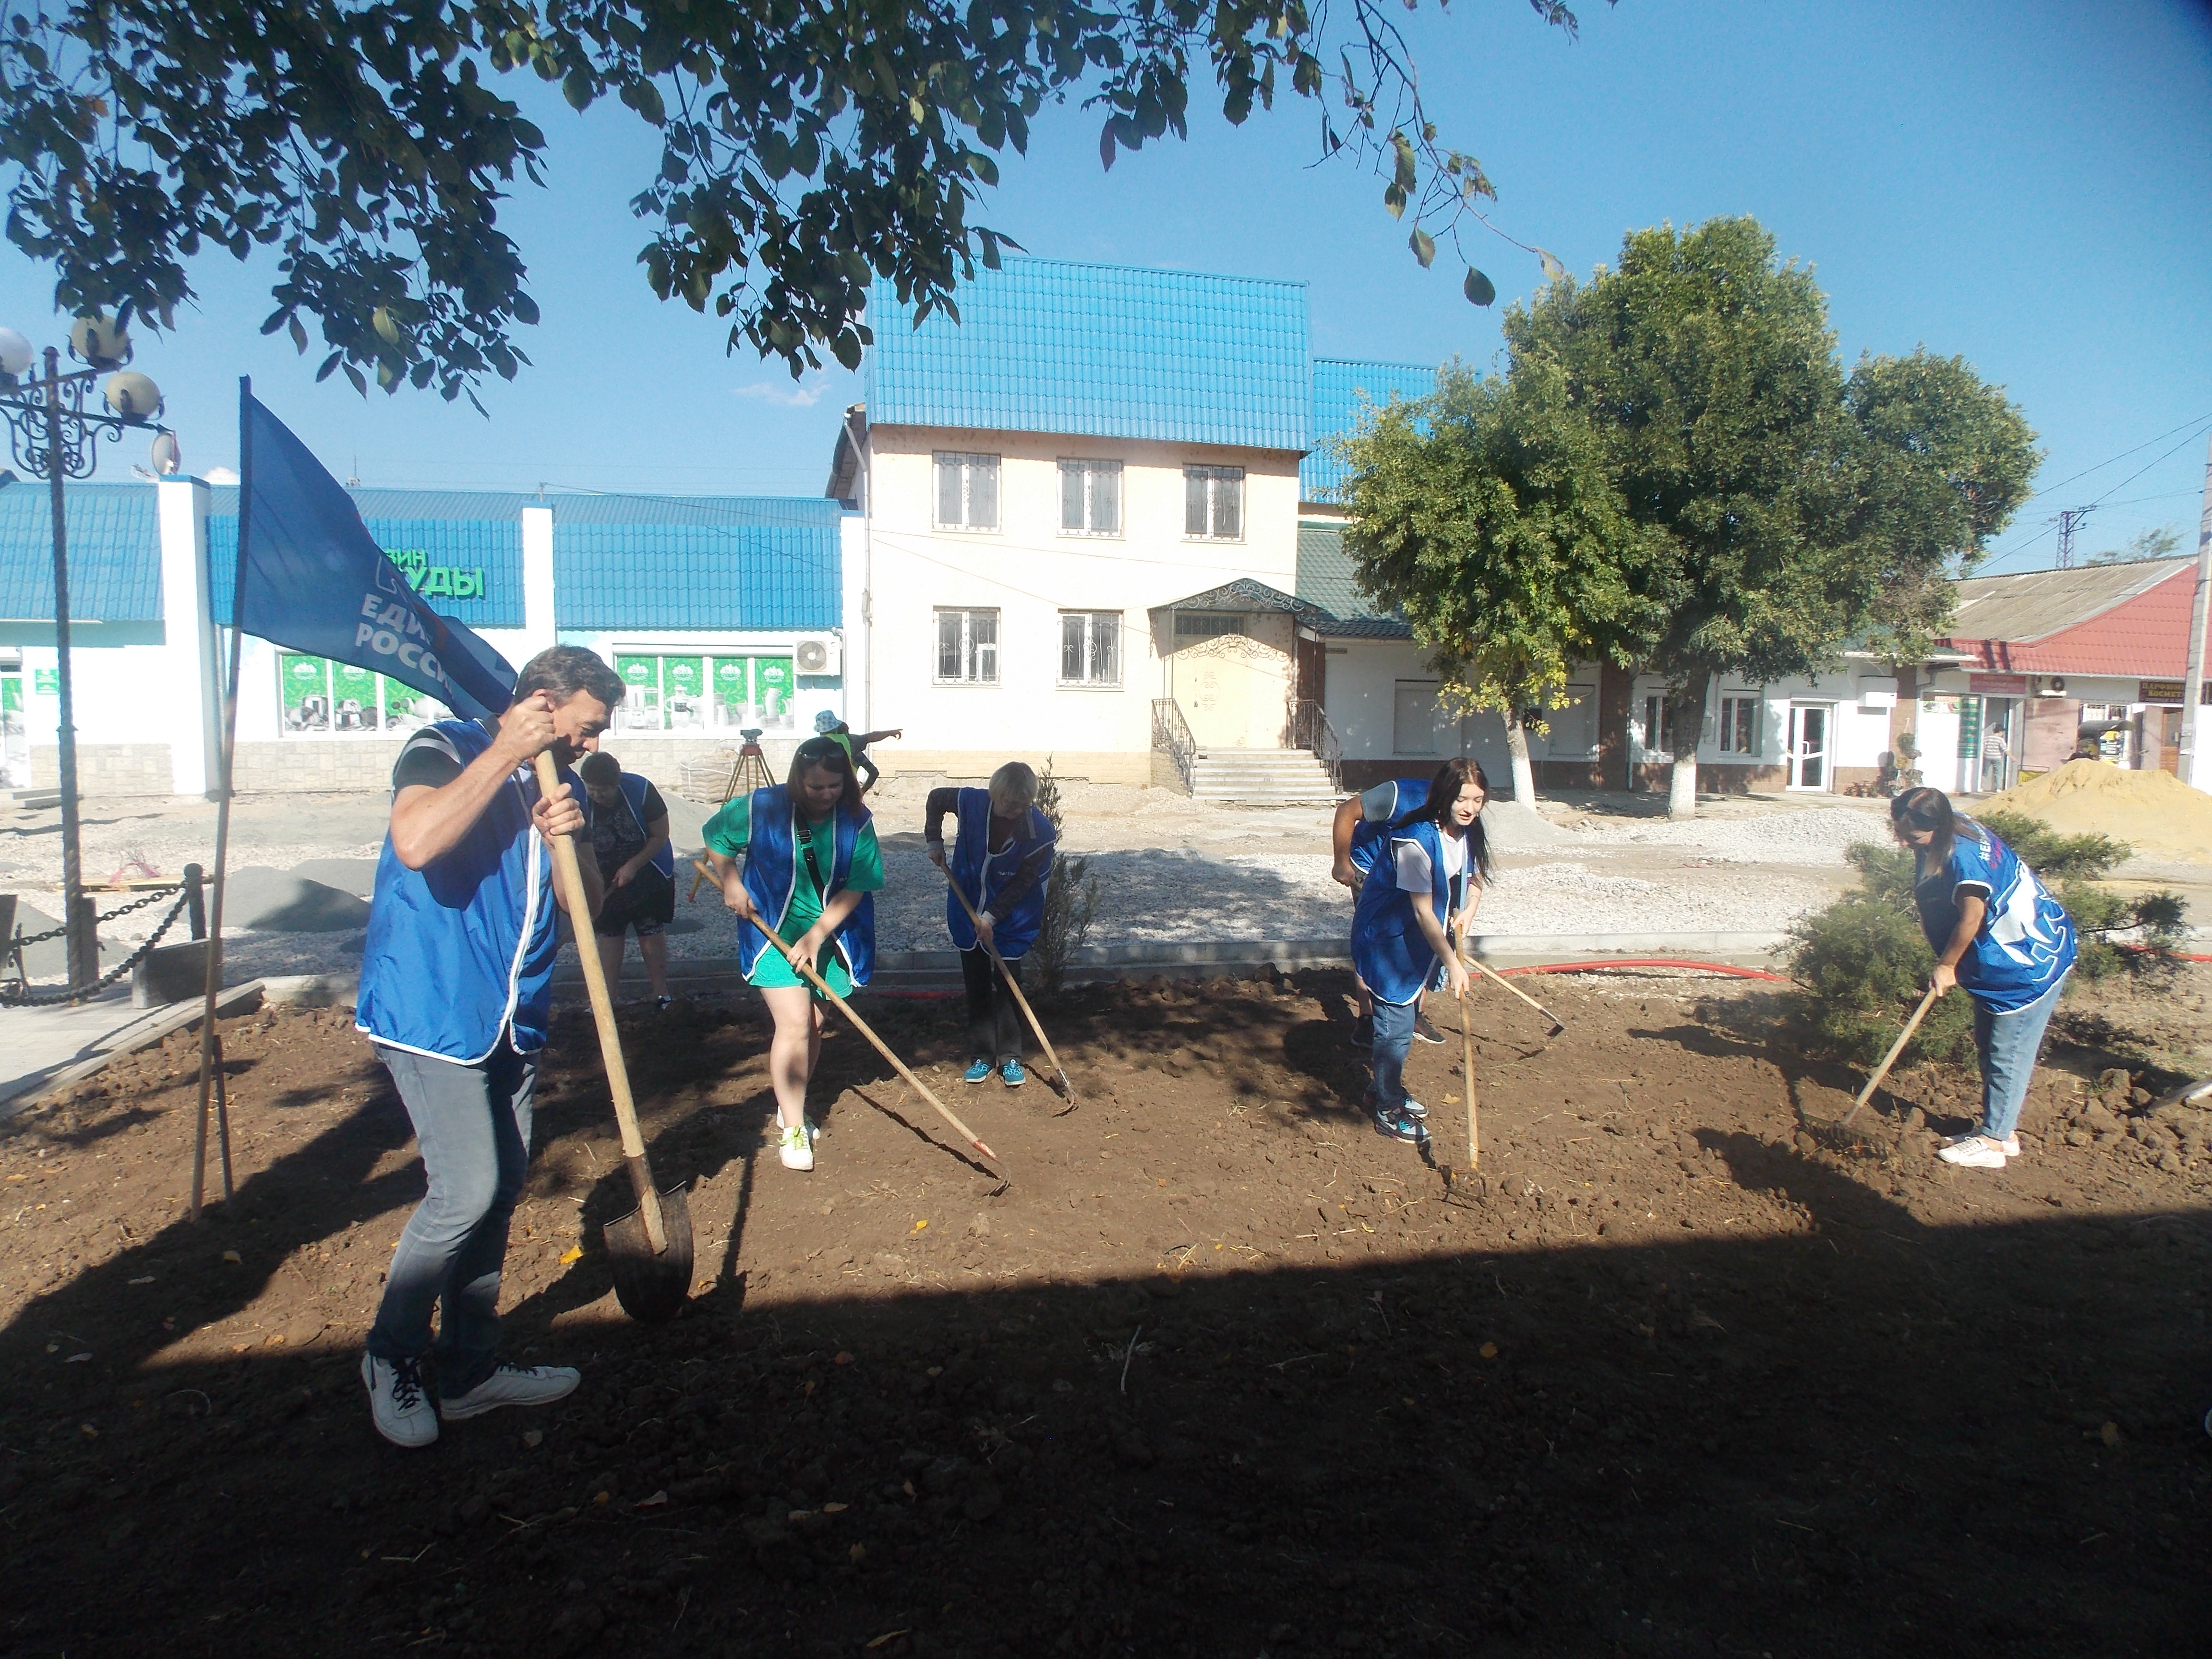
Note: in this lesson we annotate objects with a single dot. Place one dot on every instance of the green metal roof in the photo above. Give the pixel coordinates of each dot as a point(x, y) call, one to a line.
point(1326, 578)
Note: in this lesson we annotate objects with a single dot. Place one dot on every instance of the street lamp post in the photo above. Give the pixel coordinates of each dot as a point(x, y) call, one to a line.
point(52, 435)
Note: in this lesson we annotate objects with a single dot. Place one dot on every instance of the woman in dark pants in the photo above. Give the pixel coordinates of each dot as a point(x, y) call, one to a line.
point(1001, 861)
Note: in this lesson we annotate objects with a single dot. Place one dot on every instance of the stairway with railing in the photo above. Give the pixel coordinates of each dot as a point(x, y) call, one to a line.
point(1172, 736)
point(1301, 775)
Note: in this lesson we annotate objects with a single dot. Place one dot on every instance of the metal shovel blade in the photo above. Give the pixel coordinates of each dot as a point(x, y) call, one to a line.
point(651, 1288)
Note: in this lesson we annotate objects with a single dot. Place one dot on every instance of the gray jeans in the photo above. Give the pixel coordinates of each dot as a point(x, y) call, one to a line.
point(472, 1125)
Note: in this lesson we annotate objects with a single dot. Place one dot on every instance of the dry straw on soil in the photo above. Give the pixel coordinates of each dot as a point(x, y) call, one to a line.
point(2158, 816)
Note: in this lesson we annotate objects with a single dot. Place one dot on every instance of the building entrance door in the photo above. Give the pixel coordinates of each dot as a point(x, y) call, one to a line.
point(1235, 692)
point(1809, 724)
point(14, 734)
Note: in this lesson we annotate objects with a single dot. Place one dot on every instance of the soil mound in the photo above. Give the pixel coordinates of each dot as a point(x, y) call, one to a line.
point(2154, 813)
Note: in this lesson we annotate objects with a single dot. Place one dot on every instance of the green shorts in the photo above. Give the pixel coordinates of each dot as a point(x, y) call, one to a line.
point(771, 972)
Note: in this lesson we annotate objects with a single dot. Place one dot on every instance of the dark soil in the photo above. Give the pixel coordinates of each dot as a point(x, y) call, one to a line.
point(1220, 1373)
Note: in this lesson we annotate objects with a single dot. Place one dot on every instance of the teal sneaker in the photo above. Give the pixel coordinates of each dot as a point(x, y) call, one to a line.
point(978, 1069)
point(1399, 1124)
point(1011, 1074)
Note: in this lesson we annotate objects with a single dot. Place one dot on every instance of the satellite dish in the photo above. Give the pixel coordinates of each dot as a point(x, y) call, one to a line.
point(169, 456)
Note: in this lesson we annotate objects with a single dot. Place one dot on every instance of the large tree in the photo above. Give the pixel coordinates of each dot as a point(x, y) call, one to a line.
point(1483, 514)
point(807, 149)
point(1789, 510)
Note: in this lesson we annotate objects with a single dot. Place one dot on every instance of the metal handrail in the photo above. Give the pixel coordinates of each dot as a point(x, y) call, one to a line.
point(1311, 729)
point(1171, 732)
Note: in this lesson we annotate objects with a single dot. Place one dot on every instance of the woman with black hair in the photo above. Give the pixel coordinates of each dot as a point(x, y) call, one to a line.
point(1425, 885)
point(1999, 935)
point(810, 863)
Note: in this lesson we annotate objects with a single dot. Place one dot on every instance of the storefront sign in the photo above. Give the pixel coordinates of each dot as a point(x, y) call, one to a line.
point(2168, 691)
point(47, 682)
point(435, 581)
point(1999, 685)
point(697, 694)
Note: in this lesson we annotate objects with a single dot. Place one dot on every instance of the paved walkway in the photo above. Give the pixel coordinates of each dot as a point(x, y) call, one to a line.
point(39, 1044)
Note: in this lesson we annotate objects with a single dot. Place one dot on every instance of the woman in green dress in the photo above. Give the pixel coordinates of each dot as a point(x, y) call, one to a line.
point(801, 857)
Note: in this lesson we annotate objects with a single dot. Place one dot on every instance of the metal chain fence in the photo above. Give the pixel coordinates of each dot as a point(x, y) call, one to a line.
point(20, 995)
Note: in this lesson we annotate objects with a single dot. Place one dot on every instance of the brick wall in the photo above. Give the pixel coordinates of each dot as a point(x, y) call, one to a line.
point(108, 768)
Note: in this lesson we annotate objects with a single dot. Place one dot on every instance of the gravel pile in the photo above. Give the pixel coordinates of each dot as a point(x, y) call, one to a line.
point(1813, 835)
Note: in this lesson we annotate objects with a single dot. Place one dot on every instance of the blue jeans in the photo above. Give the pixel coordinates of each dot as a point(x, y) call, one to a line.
point(1393, 1040)
point(2008, 1044)
point(472, 1124)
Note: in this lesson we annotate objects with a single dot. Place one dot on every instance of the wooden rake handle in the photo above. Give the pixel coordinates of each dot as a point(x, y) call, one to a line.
point(1483, 968)
point(1890, 1059)
point(571, 877)
point(1467, 1073)
point(1020, 1002)
point(881, 1047)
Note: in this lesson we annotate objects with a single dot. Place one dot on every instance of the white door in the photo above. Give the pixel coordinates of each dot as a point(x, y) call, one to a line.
point(1809, 726)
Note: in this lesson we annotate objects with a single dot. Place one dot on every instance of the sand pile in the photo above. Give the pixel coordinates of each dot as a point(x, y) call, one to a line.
point(2162, 818)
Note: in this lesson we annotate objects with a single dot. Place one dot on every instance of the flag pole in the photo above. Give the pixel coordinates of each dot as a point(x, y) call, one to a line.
point(210, 1044)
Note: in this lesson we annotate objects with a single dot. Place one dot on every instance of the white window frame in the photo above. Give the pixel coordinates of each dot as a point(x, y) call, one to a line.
point(1741, 711)
point(967, 468)
point(1089, 621)
point(1221, 482)
point(1087, 478)
point(977, 656)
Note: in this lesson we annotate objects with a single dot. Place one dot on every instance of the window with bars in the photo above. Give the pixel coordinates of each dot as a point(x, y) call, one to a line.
point(1090, 647)
point(1739, 724)
point(1213, 504)
point(1090, 498)
point(967, 648)
point(967, 491)
point(1206, 624)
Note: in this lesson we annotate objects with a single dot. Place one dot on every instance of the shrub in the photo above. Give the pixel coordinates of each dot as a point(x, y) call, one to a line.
point(1071, 901)
point(1863, 967)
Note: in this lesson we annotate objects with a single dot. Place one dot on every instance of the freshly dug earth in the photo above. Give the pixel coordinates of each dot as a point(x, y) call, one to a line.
point(2158, 817)
point(1221, 1372)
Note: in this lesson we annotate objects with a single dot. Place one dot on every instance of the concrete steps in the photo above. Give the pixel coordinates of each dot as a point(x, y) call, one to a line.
point(1260, 777)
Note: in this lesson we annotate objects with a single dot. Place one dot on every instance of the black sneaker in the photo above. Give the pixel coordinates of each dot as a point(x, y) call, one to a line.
point(1363, 1033)
point(1399, 1124)
point(1424, 1029)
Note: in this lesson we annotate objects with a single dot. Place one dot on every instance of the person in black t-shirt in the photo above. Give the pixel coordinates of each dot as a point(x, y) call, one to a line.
point(630, 833)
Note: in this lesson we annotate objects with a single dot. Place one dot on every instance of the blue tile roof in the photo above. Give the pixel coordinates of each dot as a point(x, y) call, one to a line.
point(114, 536)
point(644, 563)
point(1341, 387)
point(452, 530)
point(1099, 351)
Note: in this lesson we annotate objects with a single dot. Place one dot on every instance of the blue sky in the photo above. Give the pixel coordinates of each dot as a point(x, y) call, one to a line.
point(2023, 182)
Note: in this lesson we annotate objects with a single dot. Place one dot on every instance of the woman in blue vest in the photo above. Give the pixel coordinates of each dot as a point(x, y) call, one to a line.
point(2000, 936)
point(1002, 855)
point(810, 863)
point(1426, 882)
point(637, 865)
point(1361, 829)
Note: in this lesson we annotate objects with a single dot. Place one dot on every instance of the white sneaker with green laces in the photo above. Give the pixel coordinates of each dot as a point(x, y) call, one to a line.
point(513, 1385)
point(795, 1145)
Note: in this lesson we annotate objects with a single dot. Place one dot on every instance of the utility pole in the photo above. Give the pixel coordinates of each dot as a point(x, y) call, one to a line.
point(2195, 768)
point(2069, 520)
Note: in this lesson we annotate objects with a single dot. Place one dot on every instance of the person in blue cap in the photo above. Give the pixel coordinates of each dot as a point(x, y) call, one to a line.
point(1426, 883)
point(1001, 859)
point(827, 725)
point(456, 994)
point(809, 864)
point(1998, 935)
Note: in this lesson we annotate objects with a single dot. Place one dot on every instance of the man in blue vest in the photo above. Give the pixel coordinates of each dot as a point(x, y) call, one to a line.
point(456, 991)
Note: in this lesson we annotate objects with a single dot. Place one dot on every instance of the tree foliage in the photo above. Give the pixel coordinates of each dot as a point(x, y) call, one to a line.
point(805, 149)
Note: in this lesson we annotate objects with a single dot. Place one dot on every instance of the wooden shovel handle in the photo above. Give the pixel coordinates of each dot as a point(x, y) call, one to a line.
point(571, 877)
point(1890, 1059)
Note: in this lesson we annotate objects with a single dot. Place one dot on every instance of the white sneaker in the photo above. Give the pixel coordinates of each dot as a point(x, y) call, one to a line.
point(2010, 1142)
point(1974, 1152)
point(513, 1385)
point(795, 1145)
point(402, 1411)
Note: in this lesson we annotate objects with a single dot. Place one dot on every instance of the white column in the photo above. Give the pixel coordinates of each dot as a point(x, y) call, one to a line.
point(853, 600)
point(537, 581)
point(188, 707)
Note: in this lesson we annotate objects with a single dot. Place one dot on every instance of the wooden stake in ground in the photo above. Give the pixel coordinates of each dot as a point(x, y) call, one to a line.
point(1467, 1071)
point(1890, 1059)
point(868, 1031)
point(1067, 1088)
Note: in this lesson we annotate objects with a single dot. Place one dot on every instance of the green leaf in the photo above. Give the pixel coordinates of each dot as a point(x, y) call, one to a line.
point(1425, 248)
point(386, 329)
point(1394, 199)
point(1552, 268)
point(1478, 288)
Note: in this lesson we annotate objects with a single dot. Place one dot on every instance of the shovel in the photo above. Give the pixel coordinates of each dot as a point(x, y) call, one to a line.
point(650, 1249)
point(1067, 1088)
point(1890, 1059)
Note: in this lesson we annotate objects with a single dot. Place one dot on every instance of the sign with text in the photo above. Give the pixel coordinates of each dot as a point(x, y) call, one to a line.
point(2168, 691)
point(1999, 685)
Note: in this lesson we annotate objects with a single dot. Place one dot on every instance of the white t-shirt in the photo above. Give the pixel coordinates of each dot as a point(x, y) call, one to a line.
point(1414, 875)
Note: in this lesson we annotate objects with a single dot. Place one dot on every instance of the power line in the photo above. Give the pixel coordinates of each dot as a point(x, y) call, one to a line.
point(2049, 489)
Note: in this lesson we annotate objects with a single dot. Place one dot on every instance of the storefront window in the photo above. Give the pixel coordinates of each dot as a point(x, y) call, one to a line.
point(703, 693)
point(319, 698)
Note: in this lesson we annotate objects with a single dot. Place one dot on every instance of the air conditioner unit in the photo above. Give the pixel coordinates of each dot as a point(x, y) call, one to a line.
point(820, 654)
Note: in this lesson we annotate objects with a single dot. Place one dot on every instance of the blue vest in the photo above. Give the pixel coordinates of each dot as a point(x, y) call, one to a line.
point(634, 788)
point(772, 871)
point(1390, 952)
point(1368, 840)
point(970, 847)
point(462, 949)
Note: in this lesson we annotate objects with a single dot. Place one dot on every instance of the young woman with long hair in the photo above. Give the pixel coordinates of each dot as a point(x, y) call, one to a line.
point(1999, 936)
point(1425, 885)
point(810, 862)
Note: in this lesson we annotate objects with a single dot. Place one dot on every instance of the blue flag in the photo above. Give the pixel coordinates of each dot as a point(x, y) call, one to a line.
point(312, 577)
